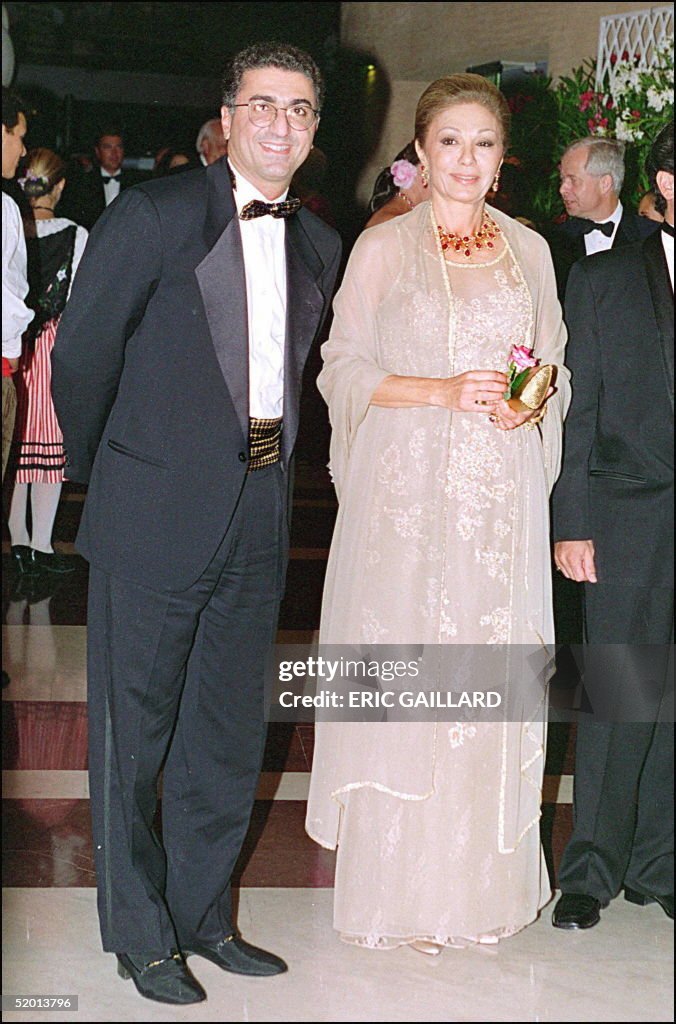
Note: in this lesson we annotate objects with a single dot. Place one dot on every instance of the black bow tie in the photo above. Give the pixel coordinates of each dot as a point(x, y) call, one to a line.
point(585, 226)
point(667, 228)
point(105, 178)
point(257, 208)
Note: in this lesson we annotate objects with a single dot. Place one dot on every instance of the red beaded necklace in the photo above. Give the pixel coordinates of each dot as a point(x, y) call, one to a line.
point(484, 238)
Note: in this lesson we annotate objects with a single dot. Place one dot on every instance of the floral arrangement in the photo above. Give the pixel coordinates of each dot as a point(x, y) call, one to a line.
point(643, 99)
point(403, 173)
point(633, 105)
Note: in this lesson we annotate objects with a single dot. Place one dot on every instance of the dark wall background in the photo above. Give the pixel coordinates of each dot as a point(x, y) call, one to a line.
point(154, 70)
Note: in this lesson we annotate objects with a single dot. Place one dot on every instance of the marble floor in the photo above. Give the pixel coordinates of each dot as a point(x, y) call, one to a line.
point(620, 971)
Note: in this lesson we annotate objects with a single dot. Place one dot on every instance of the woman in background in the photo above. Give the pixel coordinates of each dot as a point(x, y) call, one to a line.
point(398, 188)
point(54, 250)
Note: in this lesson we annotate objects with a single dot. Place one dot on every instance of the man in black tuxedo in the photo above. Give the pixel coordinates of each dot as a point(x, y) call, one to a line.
point(88, 195)
point(592, 175)
point(613, 526)
point(176, 378)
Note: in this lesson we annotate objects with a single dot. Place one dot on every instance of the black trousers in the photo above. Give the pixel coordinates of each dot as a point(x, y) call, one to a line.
point(623, 830)
point(177, 680)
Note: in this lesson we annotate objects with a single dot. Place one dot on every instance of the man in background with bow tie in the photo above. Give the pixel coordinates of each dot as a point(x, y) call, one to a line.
point(614, 530)
point(177, 375)
point(592, 175)
point(90, 193)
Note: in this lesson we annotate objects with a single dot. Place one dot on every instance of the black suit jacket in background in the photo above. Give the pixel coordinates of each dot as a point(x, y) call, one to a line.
point(84, 199)
point(616, 485)
point(567, 244)
point(151, 371)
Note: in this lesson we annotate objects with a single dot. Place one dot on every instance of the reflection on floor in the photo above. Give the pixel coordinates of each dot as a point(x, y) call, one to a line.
point(617, 972)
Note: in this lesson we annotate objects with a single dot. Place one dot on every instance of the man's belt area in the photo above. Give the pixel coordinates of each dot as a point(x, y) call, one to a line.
point(265, 443)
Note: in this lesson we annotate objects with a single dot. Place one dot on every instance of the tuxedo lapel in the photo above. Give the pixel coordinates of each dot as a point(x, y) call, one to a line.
point(304, 306)
point(222, 283)
point(626, 231)
point(662, 298)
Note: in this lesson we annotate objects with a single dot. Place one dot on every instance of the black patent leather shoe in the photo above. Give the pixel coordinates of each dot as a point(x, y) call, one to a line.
point(166, 981)
point(641, 900)
point(235, 955)
point(51, 562)
point(22, 556)
point(574, 911)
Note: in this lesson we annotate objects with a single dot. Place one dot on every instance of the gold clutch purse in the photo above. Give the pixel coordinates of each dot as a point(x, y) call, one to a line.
point(532, 392)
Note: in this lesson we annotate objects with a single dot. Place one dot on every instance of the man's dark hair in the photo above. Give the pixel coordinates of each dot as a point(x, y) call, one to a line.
point(661, 158)
point(12, 106)
point(109, 129)
point(269, 55)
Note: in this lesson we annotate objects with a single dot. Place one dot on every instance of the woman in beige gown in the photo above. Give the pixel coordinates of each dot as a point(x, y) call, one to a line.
point(442, 537)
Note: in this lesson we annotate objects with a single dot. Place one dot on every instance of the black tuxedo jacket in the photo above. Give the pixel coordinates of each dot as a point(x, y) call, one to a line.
point(151, 371)
point(616, 485)
point(84, 199)
point(567, 244)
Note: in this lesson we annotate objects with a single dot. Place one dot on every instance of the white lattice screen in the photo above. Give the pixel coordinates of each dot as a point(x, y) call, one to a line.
point(642, 33)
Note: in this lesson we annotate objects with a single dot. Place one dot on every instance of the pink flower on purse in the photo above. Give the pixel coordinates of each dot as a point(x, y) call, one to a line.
point(525, 384)
point(522, 357)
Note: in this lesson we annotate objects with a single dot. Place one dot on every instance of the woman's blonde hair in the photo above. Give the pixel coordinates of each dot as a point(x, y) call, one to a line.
point(461, 88)
point(44, 170)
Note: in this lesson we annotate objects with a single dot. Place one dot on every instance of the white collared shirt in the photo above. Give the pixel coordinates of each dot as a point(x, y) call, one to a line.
point(16, 315)
point(265, 270)
point(668, 244)
point(111, 189)
point(596, 241)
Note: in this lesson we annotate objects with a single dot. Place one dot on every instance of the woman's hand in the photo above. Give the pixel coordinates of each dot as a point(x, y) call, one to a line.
point(507, 415)
point(474, 391)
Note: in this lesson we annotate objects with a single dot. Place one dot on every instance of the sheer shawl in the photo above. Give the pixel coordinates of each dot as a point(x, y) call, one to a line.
point(395, 314)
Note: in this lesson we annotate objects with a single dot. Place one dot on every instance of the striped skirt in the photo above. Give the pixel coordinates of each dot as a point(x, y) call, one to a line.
point(41, 458)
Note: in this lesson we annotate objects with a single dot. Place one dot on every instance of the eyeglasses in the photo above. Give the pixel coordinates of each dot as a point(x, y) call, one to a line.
point(301, 116)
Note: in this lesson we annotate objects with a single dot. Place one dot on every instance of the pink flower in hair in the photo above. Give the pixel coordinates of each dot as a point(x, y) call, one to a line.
point(403, 173)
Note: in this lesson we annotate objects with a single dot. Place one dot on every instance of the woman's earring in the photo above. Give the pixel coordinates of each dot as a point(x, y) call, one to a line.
point(424, 176)
point(496, 181)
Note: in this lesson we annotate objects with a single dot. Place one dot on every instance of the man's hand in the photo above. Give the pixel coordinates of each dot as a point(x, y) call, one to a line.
point(575, 559)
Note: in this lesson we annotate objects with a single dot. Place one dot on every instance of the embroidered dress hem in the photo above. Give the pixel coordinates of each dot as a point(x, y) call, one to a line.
point(440, 941)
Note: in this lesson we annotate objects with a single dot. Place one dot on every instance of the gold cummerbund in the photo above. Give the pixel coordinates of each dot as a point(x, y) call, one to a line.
point(265, 443)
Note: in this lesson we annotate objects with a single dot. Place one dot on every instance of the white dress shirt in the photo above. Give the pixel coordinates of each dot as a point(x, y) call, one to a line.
point(668, 243)
point(265, 270)
point(111, 189)
point(596, 241)
point(16, 315)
